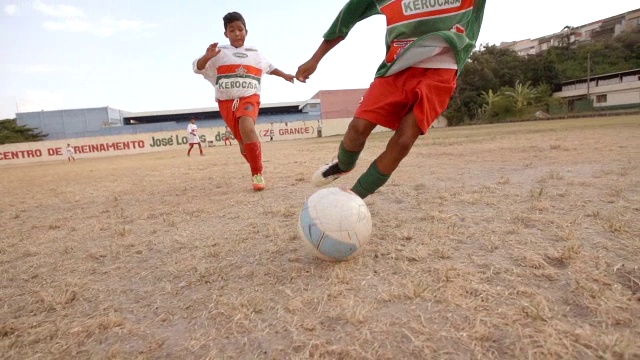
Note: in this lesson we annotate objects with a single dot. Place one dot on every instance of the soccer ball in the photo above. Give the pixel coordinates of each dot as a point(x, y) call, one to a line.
point(335, 224)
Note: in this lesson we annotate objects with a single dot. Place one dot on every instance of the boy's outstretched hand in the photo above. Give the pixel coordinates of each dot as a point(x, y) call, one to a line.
point(306, 70)
point(284, 75)
point(212, 50)
point(289, 77)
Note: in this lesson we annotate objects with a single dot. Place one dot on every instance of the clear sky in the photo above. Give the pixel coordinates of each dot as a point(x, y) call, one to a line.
point(135, 56)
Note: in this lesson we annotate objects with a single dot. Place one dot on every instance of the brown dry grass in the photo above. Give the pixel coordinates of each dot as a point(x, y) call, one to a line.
point(500, 241)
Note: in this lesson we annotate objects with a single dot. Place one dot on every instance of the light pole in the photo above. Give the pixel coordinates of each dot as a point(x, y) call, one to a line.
point(589, 75)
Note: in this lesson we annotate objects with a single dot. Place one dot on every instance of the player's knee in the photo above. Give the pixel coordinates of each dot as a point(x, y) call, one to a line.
point(403, 144)
point(358, 131)
point(359, 128)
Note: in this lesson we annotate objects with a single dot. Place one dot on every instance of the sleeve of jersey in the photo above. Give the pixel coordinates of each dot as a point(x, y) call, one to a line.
point(206, 67)
point(478, 13)
point(266, 66)
point(352, 13)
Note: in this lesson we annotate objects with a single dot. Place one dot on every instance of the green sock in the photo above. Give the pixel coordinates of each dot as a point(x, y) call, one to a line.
point(370, 181)
point(347, 159)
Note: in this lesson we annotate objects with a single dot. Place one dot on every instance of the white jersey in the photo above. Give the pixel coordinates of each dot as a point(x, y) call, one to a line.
point(70, 151)
point(192, 129)
point(235, 72)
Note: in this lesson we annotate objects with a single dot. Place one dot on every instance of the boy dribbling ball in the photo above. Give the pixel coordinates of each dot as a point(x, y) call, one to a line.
point(427, 46)
point(235, 71)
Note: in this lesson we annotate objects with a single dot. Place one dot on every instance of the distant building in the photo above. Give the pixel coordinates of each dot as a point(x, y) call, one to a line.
point(106, 121)
point(601, 29)
point(610, 91)
point(336, 104)
point(61, 124)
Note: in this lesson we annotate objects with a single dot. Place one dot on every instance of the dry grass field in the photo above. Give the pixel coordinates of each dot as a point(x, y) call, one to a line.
point(497, 241)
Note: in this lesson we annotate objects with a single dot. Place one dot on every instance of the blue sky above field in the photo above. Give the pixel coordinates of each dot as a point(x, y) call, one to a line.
point(135, 56)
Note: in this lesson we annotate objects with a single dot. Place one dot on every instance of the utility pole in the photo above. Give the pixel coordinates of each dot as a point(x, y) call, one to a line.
point(589, 75)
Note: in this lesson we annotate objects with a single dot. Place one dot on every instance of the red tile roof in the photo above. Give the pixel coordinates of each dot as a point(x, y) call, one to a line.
point(337, 104)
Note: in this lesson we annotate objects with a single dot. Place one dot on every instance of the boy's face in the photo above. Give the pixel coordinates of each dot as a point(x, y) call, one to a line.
point(236, 33)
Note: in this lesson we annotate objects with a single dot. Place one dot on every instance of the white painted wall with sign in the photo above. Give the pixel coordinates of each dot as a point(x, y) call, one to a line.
point(161, 141)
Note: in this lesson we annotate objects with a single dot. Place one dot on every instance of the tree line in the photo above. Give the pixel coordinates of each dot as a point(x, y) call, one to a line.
point(11, 132)
point(497, 84)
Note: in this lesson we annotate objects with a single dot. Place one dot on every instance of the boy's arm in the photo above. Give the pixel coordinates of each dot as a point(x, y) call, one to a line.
point(212, 51)
point(282, 74)
point(353, 12)
point(307, 69)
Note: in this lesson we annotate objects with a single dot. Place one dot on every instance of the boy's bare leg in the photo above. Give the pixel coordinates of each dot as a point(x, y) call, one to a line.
point(248, 129)
point(252, 149)
point(399, 145)
point(241, 147)
point(397, 149)
point(357, 134)
point(349, 150)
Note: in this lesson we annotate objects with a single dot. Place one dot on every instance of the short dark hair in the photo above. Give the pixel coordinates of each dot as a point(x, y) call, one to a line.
point(233, 17)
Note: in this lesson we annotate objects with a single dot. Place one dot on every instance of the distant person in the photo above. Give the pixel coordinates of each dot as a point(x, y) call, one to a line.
point(227, 136)
point(192, 134)
point(235, 71)
point(70, 153)
point(271, 133)
point(427, 45)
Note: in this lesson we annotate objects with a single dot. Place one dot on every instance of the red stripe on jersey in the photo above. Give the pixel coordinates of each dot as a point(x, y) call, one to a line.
point(394, 11)
point(235, 68)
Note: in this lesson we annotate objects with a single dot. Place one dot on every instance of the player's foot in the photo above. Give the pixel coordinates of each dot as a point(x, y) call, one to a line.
point(327, 173)
point(258, 182)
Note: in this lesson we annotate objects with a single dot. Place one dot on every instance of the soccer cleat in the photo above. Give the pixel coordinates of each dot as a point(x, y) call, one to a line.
point(258, 182)
point(327, 173)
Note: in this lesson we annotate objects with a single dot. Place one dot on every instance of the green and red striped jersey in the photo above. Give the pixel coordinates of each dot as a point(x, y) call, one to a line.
point(418, 31)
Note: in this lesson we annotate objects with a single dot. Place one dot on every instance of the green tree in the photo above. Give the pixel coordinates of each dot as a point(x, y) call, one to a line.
point(492, 69)
point(11, 133)
point(490, 98)
point(488, 69)
point(522, 94)
point(607, 56)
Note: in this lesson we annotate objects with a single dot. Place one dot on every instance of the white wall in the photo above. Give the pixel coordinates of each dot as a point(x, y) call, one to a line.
point(94, 147)
point(620, 98)
point(600, 89)
point(161, 141)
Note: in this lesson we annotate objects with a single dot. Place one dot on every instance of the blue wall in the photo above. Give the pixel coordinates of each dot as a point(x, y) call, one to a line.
point(68, 124)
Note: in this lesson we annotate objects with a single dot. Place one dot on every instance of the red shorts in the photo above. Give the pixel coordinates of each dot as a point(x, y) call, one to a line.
point(426, 92)
point(247, 106)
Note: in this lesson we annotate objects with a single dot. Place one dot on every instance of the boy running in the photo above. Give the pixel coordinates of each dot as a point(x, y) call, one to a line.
point(428, 43)
point(235, 70)
point(227, 136)
point(192, 134)
point(70, 153)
